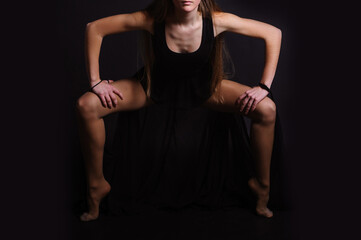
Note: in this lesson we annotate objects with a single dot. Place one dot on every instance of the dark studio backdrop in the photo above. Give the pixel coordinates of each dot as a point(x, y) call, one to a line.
point(119, 59)
point(50, 49)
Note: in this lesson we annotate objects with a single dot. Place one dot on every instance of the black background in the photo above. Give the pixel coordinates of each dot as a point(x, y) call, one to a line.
point(317, 92)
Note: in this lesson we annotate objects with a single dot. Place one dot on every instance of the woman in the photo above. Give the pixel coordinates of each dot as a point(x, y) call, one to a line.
point(185, 38)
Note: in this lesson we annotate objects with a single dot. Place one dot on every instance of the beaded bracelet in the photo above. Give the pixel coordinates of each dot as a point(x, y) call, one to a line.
point(91, 89)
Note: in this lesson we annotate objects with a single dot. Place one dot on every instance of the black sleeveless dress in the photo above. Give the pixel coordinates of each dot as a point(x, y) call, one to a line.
point(176, 154)
point(181, 80)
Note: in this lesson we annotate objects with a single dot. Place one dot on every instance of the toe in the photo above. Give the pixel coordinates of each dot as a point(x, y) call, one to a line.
point(84, 217)
point(269, 214)
point(265, 213)
point(88, 217)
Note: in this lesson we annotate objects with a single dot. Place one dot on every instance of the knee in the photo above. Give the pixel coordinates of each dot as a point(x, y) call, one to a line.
point(267, 111)
point(86, 106)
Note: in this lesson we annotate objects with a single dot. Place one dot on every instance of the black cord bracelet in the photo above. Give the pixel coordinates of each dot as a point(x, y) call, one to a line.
point(91, 89)
point(264, 87)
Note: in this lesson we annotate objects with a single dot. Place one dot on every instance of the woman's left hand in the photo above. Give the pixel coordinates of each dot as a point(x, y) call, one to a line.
point(248, 101)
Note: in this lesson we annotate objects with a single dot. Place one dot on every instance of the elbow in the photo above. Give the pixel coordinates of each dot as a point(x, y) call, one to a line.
point(273, 35)
point(277, 33)
point(90, 25)
point(91, 28)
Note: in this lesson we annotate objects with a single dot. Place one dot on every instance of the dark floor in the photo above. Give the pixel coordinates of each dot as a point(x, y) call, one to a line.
point(235, 223)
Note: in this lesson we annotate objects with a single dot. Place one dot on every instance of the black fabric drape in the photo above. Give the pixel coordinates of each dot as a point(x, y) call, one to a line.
point(164, 158)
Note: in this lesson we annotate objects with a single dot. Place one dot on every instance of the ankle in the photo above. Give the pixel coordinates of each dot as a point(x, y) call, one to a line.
point(99, 191)
point(265, 185)
point(97, 183)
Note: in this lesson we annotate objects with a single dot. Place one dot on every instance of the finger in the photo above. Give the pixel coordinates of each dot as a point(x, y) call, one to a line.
point(104, 102)
point(249, 105)
point(254, 105)
point(109, 101)
point(240, 98)
point(243, 95)
point(116, 91)
point(114, 99)
point(238, 101)
point(249, 91)
point(244, 103)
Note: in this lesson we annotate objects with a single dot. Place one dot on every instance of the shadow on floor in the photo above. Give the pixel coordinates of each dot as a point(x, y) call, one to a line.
point(235, 223)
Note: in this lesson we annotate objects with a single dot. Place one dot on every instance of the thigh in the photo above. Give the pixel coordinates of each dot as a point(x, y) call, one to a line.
point(229, 91)
point(134, 98)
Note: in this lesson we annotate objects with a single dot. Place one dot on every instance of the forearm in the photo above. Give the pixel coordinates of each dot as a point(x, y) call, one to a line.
point(93, 41)
point(97, 30)
point(273, 46)
point(270, 34)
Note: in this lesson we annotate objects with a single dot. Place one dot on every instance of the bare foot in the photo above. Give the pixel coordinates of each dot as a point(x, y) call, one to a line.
point(96, 193)
point(262, 194)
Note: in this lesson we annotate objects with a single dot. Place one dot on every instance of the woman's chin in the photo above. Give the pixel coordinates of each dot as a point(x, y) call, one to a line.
point(187, 9)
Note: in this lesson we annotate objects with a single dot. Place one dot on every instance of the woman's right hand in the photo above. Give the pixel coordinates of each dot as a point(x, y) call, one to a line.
point(107, 93)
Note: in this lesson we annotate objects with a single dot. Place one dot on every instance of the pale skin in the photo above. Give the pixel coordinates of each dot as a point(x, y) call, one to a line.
point(183, 34)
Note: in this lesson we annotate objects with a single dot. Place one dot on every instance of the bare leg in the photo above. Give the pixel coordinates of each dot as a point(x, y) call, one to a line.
point(92, 140)
point(90, 113)
point(262, 135)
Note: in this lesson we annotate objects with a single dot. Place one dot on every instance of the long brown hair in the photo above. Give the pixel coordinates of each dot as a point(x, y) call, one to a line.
point(158, 10)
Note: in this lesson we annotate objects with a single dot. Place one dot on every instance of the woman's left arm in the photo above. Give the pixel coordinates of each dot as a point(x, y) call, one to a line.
point(272, 37)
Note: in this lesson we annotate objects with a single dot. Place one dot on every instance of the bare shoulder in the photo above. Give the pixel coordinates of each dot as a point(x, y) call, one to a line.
point(144, 20)
point(223, 20)
point(232, 23)
point(139, 20)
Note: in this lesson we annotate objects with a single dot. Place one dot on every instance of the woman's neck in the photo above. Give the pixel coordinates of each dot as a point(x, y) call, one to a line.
point(185, 18)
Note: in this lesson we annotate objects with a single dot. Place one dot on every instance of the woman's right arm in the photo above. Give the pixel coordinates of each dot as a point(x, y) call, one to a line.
point(94, 34)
